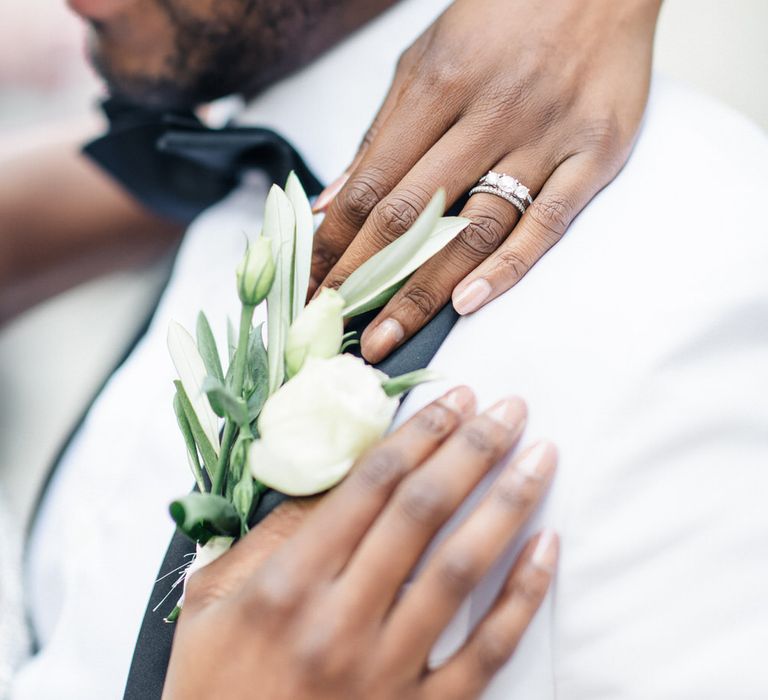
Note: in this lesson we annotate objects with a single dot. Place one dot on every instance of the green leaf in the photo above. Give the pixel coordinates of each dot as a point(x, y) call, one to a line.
point(376, 302)
point(201, 439)
point(201, 516)
point(257, 373)
point(189, 441)
point(394, 386)
point(231, 406)
point(280, 227)
point(305, 229)
point(206, 344)
point(377, 275)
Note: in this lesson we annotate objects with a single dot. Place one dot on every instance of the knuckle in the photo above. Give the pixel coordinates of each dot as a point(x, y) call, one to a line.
point(512, 263)
point(458, 572)
point(481, 437)
point(325, 653)
point(423, 301)
point(202, 589)
point(360, 195)
point(382, 467)
point(314, 653)
point(444, 73)
point(602, 135)
point(423, 502)
point(435, 420)
point(323, 257)
point(272, 595)
point(551, 214)
point(531, 586)
point(482, 236)
point(406, 59)
point(493, 650)
point(396, 214)
point(520, 496)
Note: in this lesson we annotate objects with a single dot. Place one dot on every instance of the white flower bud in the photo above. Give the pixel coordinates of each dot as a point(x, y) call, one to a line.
point(256, 272)
point(317, 332)
point(318, 423)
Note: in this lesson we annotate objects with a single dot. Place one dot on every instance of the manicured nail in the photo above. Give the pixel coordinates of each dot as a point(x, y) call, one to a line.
point(537, 462)
point(382, 339)
point(469, 299)
point(329, 194)
point(546, 551)
point(460, 400)
point(511, 413)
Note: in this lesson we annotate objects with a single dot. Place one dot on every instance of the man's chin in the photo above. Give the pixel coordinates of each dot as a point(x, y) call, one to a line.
point(145, 90)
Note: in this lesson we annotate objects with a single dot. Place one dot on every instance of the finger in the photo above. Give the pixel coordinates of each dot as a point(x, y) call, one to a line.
point(458, 565)
point(562, 197)
point(324, 544)
point(494, 640)
point(430, 287)
point(397, 145)
point(423, 503)
point(455, 153)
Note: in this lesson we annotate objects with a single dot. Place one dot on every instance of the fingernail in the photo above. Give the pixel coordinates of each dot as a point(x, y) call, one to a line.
point(460, 400)
point(538, 461)
point(510, 413)
point(472, 296)
point(546, 551)
point(382, 339)
point(329, 194)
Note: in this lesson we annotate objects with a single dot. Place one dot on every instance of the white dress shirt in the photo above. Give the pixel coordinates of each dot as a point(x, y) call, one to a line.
point(640, 343)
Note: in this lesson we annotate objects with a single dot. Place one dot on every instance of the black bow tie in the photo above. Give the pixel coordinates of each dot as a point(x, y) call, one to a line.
point(176, 166)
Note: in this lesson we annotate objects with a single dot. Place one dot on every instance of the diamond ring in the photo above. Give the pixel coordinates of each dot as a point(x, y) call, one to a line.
point(506, 187)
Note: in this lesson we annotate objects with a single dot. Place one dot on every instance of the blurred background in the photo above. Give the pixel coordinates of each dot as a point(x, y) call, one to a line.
point(54, 356)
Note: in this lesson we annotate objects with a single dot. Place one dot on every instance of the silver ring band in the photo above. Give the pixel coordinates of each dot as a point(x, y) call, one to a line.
point(487, 189)
point(506, 187)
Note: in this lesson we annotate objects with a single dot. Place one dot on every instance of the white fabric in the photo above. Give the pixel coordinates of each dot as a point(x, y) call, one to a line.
point(640, 343)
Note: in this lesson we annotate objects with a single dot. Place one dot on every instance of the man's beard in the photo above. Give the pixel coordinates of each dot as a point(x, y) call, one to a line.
point(242, 50)
point(187, 80)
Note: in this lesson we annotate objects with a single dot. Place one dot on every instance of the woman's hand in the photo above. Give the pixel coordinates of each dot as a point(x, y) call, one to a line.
point(325, 614)
point(549, 93)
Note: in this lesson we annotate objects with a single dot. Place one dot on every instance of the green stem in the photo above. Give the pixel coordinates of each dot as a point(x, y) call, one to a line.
point(238, 377)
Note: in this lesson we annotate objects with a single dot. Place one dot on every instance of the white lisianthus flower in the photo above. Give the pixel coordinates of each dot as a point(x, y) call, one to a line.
point(317, 332)
point(318, 423)
point(256, 272)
